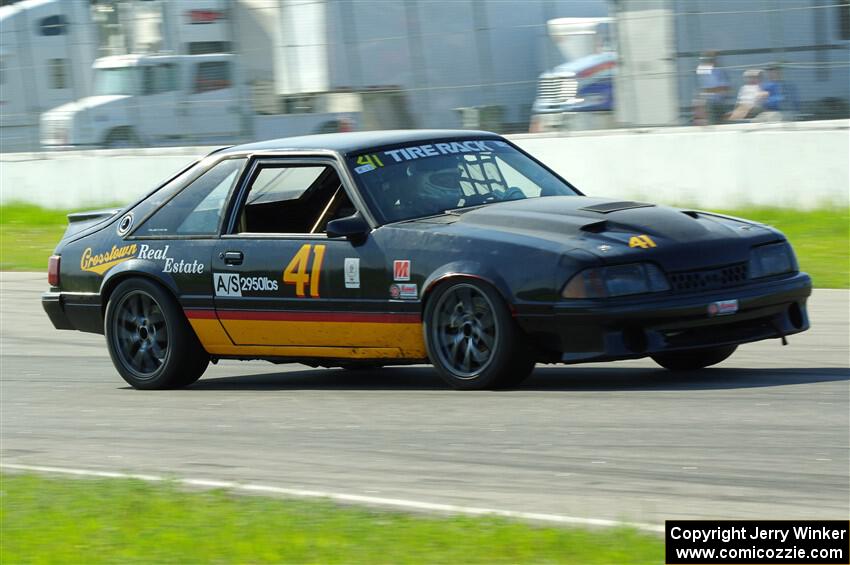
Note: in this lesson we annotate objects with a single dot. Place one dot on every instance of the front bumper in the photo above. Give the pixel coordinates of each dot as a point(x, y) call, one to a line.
point(633, 327)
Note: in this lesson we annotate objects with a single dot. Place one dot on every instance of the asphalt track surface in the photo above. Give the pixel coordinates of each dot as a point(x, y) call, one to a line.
point(765, 434)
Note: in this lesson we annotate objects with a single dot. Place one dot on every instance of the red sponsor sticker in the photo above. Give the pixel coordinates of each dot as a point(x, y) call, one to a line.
point(401, 270)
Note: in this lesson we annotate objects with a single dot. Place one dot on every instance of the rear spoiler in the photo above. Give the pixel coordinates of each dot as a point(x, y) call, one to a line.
point(92, 215)
point(80, 221)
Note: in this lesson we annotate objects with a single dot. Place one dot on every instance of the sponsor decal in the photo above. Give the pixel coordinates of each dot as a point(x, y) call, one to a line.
point(401, 270)
point(404, 291)
point(101, 262)
point(407, 291)
point(352, 272)
point(153, 254)
point(435, 149)
point(368, 163)
point(642, 241)
point(233, 284)
point(722, 307)
point(170, 265)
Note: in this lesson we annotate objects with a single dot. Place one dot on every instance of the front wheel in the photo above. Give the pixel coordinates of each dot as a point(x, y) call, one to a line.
point(149, 339)
point(692, 359)
point(472, 340)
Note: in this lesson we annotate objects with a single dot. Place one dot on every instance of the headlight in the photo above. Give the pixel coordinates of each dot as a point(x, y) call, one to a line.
point(772, 259)
point(617, 280)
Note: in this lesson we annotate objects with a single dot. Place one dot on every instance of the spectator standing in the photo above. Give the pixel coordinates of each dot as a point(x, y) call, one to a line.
point(713, 102)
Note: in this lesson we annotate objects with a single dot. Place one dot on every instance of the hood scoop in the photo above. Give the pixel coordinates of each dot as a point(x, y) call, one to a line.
point(607, 207)
point(595, 227)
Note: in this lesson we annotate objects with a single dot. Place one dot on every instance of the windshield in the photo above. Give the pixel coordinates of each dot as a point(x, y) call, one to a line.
point(117, 80)
point(413, 181)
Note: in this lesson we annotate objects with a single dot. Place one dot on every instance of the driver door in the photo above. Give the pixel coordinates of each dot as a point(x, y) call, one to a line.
point(281, 284)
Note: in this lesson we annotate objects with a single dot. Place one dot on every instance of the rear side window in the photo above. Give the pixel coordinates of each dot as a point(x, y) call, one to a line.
point(197, 209)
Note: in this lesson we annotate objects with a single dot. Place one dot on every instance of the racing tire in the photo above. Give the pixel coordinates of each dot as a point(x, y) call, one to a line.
point(693, 359)
point(149, 339)
point(472, 339)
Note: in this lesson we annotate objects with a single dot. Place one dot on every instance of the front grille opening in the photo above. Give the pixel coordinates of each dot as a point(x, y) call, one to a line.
point(740, 331)
point(708, 279)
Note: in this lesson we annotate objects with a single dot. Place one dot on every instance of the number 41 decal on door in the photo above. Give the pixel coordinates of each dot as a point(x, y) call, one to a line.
point(296, 272)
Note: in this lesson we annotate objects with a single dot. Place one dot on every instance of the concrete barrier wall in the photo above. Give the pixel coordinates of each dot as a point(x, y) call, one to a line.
point(803, 165)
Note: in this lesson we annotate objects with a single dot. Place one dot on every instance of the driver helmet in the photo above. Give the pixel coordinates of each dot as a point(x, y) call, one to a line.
point(436, 182)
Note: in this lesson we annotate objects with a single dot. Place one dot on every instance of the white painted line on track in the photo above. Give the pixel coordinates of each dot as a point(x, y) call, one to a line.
point(343, 497)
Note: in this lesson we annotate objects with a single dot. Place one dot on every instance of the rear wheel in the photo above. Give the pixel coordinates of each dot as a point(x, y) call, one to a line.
point(472, 340)
point(149, 339)
point(693, 359)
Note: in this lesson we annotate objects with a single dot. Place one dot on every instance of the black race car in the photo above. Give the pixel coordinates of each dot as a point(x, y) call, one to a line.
point(450, 247)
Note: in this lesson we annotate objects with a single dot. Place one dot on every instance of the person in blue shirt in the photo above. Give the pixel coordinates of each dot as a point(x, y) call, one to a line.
point(781, 96)
point(714, 88)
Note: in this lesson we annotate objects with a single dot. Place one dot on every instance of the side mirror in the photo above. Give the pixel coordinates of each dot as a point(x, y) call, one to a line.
point(354, 228)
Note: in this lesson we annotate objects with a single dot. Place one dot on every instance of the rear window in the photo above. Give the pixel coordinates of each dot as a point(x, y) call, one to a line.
point(198, 208)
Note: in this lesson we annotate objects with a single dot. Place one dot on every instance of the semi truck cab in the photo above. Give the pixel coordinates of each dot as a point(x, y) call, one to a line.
point(150, 100)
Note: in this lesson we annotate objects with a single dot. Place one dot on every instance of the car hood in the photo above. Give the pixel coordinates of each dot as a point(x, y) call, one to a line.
point(618, 231)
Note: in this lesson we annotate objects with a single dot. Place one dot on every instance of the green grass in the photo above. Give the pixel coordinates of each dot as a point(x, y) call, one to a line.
point(821, 238)
point(28, 236)
point(50, 520)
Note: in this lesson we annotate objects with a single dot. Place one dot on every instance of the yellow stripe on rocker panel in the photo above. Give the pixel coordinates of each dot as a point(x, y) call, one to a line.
point(312, 339)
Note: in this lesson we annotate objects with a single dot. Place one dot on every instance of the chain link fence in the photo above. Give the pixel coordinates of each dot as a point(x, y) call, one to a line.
point(75, 73)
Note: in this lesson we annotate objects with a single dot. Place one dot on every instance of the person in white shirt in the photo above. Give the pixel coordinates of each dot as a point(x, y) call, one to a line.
point(751, 97)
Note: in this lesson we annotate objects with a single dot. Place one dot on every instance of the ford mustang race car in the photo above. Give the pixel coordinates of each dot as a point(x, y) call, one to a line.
point(368, 249)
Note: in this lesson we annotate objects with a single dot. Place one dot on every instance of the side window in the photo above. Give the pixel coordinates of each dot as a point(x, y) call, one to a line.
point(159, 78)
point(197, 209)
point(211, 75)
point(293, 199)
point(166, 77)
point(52, 25)
point(56, 73)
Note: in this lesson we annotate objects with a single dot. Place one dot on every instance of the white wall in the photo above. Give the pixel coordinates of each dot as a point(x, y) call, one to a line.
point(76, 179)
point(801, 165)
